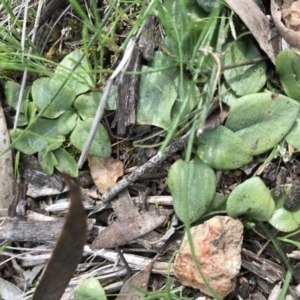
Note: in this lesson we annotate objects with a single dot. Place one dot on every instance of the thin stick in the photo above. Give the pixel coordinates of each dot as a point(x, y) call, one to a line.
point(123, 259)
point(239, 64)
point(101, 107)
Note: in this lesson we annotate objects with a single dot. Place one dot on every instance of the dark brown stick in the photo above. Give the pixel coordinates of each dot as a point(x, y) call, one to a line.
point(47, 12)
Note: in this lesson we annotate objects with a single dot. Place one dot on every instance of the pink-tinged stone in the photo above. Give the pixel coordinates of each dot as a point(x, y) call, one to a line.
point(217, 245)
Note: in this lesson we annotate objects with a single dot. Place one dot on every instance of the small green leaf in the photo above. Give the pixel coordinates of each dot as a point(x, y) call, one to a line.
point(47, 161)
point(222, 149)
point(112, 99)
point(251, 198)
point(82, 79)
point(227, 95)
point(218, 203)
point(41, 136)
point(200, 189)
point(30, 112)
point(282, 219)
point(287, 67)
point(101, 146)
point(12, 91)
point(162, 61)
point(45, 135)
point(157, 94)
point(22, 120)
point(22, 145)
point(66, 163)
point(44, 89)
point(262, 120)
point(190, 94)
point(90, 289)
point(293, 137)
point(87, 104)
point(245, 79)
point(66, 122)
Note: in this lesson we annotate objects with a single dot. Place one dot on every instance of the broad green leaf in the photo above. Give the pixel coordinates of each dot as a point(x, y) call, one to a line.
point(218, 203)
point(163, 63)
point(87, 104)
point(47, 161)
point(42, 136)
point(46, 135)
point(22, 120)
point(200, 188)
point(262, 120)
point(30, 112)
point(44, 89)
point(190, 94)
point(101, 146)
point(227, 95)
point(207, 5)
point(251, 198)
point(288, 69)
point(22, 145)
point(248, 79)
point(90, 289)
point(157, 94)
point(222, 149)
point(188, 88)
point(293, 137)
point(284, 220)
point(66, 163)
point(66, 122)
point(12, 91)
point(82, 79)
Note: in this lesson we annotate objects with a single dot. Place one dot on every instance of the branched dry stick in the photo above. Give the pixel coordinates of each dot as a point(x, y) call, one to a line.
point(236, 65)
point(175, 146)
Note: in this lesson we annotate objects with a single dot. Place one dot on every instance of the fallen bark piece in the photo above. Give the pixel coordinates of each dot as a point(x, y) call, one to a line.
point(217, 245)
point(33, 230)
point(39, 183)
point(291, 14)
point(262, 267)
point(7, 182)
point(291, 36)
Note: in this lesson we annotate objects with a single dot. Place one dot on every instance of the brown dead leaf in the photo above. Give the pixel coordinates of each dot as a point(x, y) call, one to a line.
point(124, 232)
point(140, 281)
point(216, 117)
point(105, 171)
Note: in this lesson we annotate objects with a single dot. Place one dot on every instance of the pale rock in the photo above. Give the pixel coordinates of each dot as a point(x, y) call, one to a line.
point(217, 245)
